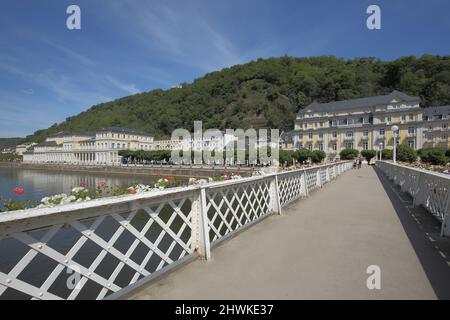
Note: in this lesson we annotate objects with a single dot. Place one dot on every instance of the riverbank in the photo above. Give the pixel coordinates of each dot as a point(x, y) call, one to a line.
point(155, 170)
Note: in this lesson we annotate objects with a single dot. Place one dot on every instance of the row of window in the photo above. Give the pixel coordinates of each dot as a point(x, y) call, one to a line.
point(325, 114)
point(403, 117)
point(349, 134)
point(350, 145)
point(123, 136)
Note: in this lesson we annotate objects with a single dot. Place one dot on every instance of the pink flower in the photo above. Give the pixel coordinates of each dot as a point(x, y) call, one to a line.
point(19, 190)
point(101, 184)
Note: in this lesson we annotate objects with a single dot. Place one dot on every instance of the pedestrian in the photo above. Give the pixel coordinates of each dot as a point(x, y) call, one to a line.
point(359, 163)
point(354, 164)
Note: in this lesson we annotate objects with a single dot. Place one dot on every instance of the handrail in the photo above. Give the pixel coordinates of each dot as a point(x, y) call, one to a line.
point(147, 234)
point(427, 188)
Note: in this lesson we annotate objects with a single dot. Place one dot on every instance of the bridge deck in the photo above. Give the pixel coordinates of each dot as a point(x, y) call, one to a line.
point(321, 247)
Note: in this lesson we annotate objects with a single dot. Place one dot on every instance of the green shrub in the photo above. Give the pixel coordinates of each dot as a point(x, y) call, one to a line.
point(436, 156)
point(285, 157)
point(406, 153)
point(348, 154)
point(317, 156)
point(386, 154)
point(368, 154)
point(302, 155)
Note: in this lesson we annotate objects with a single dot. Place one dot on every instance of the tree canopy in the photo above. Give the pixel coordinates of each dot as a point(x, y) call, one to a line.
point(265, 93)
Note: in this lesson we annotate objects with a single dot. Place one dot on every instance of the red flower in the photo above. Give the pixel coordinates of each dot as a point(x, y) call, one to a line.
point(19, 191)
point(170, 179)
point(225, 169)
point(101, 184)
point(132, 191)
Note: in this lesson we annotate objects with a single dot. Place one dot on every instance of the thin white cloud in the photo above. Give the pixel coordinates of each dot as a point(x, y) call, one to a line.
point(183, 32)
point(70, 53)
point(126, 87)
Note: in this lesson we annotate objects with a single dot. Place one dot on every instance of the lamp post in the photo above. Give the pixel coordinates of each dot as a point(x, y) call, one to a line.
point(380, 145)
point(394, 132)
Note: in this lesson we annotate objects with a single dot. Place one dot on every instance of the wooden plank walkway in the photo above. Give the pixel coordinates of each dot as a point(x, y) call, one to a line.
point(320, 248)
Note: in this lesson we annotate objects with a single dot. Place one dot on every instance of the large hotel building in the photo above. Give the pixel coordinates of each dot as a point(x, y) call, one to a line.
point(366, 123)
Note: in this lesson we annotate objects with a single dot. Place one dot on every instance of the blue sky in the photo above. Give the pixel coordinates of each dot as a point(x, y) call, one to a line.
point(48, 72)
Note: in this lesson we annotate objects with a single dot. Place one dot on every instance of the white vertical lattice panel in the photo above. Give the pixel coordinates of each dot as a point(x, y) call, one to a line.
point(291, 187)
point(232, 207)
point(311, 179)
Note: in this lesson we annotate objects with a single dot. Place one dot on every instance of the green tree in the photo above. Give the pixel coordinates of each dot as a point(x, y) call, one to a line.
point(368, 154)
point(386, 154)
point(348, 154)
point(301, 155)
point(434, 156)
point(285, 157)
point(406, 153)
point(317, 156)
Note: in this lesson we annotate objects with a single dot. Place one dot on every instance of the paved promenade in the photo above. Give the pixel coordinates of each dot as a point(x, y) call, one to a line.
point(321, 247)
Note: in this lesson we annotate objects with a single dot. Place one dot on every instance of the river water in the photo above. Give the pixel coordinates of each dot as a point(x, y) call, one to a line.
point(40, 183)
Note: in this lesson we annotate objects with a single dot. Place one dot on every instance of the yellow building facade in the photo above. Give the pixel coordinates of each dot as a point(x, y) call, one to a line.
point(366, 123)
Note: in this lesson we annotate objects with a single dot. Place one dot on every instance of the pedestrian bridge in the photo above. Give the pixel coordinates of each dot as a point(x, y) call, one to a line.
point(306, 234)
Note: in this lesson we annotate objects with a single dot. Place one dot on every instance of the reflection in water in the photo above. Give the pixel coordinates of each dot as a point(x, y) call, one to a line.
point(40, 183)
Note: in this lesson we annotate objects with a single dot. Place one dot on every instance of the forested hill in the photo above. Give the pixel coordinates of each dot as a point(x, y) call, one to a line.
point(266, 93)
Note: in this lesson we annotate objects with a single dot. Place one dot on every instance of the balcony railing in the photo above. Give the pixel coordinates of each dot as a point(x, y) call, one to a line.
point(428, 189)
point(351, 125)
point(107, 247)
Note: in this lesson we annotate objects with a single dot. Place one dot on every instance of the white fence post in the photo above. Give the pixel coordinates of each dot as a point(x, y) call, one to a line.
point(275, 195)
point(200, 229)
point(419, 193)
point(305, 184)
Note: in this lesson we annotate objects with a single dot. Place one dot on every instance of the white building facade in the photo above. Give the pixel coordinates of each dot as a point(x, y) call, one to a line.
point(102, 147)
point(83, 148)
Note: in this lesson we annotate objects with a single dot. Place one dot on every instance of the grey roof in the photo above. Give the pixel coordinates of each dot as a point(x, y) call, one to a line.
point(71, 133)
point(436, 110)
point(286, 136)
point(47, 144)
point(359, 103)
point(124, 130)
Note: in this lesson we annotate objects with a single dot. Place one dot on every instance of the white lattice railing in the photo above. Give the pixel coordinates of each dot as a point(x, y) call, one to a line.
point(428, 189)
point(107, 247)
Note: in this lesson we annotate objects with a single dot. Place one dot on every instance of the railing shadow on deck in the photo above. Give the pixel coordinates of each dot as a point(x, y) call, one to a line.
point(436, 268)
